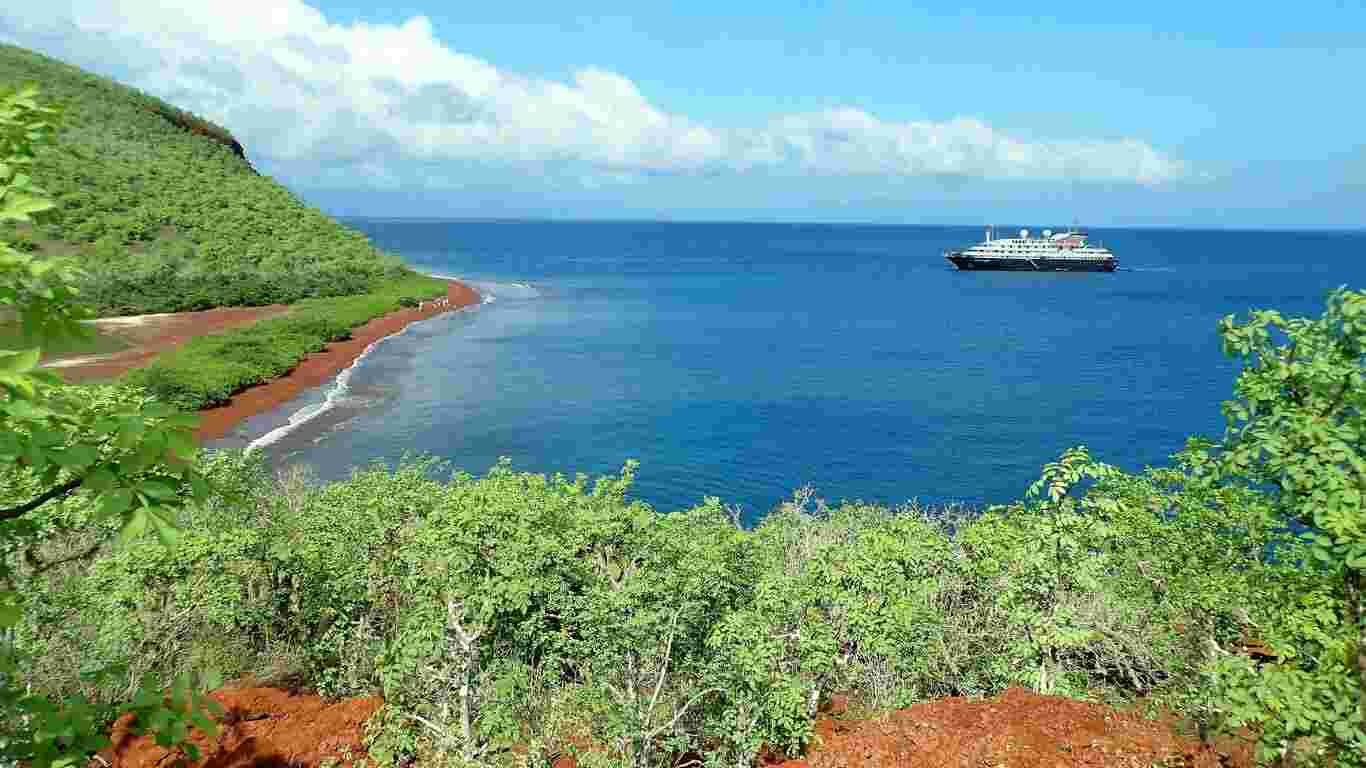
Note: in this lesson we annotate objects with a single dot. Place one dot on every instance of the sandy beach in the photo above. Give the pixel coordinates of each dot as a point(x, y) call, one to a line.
point(149, 335)
point(318, 368)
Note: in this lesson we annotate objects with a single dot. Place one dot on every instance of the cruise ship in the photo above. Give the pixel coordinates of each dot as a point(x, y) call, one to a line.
point(1053, 252)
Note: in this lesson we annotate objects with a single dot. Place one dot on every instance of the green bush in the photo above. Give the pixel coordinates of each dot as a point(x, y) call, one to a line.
point(1295, 438)
point(516, 608)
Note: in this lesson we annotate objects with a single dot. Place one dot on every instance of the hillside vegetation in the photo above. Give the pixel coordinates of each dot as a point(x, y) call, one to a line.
point(163, 212)
point(208, 370)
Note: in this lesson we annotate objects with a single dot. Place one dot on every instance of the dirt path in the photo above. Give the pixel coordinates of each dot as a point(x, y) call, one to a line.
point(318, 368)
point(150, 335)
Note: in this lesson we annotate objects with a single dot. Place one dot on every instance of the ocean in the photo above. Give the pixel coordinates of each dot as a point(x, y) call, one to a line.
point(744, 361)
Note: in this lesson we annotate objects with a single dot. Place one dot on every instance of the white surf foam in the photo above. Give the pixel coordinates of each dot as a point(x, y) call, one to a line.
point(490, 292)
point(508, 291)
point(341, 387)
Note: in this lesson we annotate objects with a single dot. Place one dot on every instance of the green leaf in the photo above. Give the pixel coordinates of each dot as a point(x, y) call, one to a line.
point(158, 410)
point(99, 479)
point(164, 522)
point(212, 679)
point(105, 426)
point(75, 456)
point(10, 612)
point(18, 206)
point(157, 489)
point(115, 502)
point(180, 445)
point(22, 361)
point(130, 432)
point(199, 487)
point(135, 526)
point(182, 420)
point(151, 449)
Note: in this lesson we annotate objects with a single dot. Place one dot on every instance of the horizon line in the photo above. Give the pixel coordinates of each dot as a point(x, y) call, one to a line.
point(781, 222)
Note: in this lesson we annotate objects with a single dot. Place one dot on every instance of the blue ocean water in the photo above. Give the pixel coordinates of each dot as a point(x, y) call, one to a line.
point(745, 360)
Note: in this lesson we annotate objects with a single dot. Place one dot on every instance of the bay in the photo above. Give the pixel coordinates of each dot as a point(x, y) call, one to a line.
point(745, 360)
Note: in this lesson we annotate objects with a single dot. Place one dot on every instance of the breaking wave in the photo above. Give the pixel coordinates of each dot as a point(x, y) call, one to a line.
point(341, 387)
point(490, 292)
point(506, 291)
point(340, 390)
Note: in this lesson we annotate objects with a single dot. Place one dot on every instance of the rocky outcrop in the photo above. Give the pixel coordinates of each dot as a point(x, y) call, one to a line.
point(198, 125)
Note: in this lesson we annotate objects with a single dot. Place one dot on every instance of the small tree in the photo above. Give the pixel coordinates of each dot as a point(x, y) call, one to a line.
point(1297, 429)
point(484, 570)
point(135, 465)
point(1043, 559)
point(779, 654)
point(653, 586)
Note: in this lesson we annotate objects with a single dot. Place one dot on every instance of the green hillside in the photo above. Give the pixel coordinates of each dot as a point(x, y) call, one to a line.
point(163, 211)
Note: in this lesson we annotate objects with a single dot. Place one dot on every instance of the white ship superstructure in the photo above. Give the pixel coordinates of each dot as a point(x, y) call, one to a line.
point(1067, 251)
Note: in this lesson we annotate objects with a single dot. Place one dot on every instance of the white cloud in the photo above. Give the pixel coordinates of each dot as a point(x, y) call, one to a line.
point(392, 100)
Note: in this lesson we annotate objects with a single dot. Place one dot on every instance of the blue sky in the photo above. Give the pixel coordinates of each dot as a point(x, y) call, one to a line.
point(1162, 113)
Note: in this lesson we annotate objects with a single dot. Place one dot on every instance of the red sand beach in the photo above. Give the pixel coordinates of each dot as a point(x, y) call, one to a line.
point(319, 367)
point(150, 335)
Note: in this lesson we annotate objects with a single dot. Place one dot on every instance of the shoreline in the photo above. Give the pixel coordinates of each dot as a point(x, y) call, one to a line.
point(317, 368)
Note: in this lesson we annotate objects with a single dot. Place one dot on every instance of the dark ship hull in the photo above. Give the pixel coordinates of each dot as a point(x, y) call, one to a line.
point(1023, 264)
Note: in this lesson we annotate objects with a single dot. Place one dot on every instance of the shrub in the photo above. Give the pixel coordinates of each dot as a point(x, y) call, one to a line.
point(517, 608)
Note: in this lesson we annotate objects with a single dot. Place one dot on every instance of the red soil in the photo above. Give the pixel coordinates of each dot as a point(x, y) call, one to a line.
point(1019, 728)
point(261, 727)
point(153, 334)
point(319, 367)
point(267, 727)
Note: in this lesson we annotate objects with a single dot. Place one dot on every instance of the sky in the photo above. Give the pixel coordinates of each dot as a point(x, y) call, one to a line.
point(1160, 113)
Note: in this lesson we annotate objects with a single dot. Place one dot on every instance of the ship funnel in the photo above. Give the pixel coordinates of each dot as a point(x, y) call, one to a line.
point(1024, 234)
point(988, 234)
